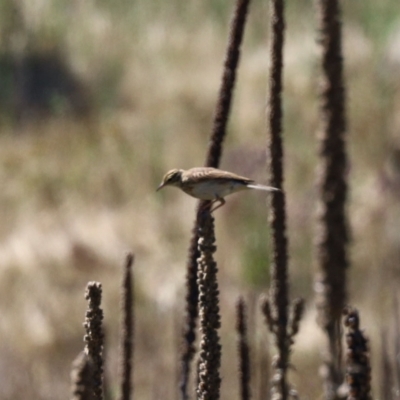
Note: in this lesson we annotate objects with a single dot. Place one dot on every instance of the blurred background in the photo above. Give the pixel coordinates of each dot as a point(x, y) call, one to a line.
point(98, 100)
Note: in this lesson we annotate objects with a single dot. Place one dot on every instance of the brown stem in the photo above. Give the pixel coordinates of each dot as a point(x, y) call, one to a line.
point(210, 349)
point(332, 238)
point(279, 298)
point(243, 350)
point(212, 160)
point(94, 337)
point(126, 362)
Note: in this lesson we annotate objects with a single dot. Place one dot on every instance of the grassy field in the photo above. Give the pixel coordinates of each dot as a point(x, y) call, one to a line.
point(79, 172)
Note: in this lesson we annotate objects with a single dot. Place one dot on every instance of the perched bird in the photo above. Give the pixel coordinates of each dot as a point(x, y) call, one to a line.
point(210, 183)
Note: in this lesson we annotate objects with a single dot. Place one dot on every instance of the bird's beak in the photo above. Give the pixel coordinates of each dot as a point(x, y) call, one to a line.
point(160, 186)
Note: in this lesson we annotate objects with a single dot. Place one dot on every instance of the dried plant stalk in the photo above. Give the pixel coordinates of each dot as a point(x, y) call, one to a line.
point(276, 307)
point(212, 160)
point(191, 310)
point(243, 350)
point(227, 84)
point(127, 331)
point(81, 378)
point(210, 349)
point(358, 368)
point(94, 337)
point(332, 238)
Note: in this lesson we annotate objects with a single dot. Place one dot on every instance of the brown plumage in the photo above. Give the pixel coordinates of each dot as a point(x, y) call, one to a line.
point(210, 183)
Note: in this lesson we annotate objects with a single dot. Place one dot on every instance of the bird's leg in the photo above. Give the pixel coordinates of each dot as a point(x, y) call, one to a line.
point(205, 206)
point(221, 201)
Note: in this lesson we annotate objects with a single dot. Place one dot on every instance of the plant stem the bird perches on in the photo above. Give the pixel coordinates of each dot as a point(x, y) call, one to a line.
point(127, 331)
point(332, 237)
point(231, 63)
point(209, 380)
point(212, 160)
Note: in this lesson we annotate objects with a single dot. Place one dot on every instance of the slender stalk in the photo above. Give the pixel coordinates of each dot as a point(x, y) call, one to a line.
point(358, 366)
point(210, 349)
point(243, 350)
point(277, 312)
point(332, 238)
point(127, 331)
point(94, 337)
point(212, 160)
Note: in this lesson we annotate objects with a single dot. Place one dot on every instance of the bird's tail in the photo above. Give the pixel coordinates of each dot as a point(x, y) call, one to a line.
point(262, 187)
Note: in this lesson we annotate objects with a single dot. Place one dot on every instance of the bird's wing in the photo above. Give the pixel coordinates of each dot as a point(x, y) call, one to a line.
point(205, 173)
point(231, 175)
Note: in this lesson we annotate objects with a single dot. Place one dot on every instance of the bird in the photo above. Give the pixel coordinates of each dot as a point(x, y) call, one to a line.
point(206, 183)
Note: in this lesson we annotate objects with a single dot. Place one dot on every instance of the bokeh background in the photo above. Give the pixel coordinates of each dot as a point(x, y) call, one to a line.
point(98, 100)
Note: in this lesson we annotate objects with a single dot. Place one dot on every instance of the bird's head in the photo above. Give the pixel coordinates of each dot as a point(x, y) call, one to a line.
point(171, 178)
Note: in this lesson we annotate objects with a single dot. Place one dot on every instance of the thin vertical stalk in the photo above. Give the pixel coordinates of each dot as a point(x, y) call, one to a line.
point(212, 160)
point(279, 297)
point(94, 337)
point(358, 366)
point(231, 63)
point(243, 350)
point(210, 349)
point(332, 238)
point(127, 331)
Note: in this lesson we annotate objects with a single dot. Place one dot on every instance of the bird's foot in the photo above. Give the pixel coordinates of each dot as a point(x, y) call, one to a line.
point(221, 202)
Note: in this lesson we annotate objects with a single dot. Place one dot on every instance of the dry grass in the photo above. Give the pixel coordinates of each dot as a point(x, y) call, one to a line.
point(76, 194)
